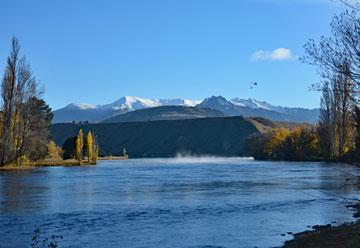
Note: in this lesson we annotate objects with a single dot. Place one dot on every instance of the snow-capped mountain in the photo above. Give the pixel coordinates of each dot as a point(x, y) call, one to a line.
point(131, 103)
point(179, 102)
point(220, 103)
point(255, 108)
point(96, 113)
point(236, 106)
point(253, 103)
point(81, 106)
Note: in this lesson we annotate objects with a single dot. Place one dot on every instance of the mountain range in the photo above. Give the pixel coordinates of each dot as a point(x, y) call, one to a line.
point(131, 108)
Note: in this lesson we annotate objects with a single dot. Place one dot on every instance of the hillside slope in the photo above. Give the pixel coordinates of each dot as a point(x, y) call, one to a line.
point(165, 113)
point(206, 136)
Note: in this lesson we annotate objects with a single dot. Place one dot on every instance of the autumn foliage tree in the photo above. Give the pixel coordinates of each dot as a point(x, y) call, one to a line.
point(85, 147)
point(53, 151)
point(299, 144)
point(25, 117)
point(90, 146)
point(337, 56)
point(79, 146)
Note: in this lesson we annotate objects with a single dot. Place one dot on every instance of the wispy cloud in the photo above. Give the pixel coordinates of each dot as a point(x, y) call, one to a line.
point(278, 54)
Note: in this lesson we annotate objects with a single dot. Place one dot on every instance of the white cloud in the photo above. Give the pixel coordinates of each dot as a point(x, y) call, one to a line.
point(277, 54)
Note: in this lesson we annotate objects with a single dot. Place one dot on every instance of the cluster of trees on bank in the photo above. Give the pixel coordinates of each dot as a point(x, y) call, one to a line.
point(337, 135)
point(301, 143)
point(82, 147)
point(25, 118)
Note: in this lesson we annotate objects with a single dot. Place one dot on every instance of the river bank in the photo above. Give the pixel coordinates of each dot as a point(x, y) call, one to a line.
point(114, 158)
point(345, 235)
point(47, 163)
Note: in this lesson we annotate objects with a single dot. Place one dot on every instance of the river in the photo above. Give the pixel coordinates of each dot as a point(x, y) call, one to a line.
point(182, 202)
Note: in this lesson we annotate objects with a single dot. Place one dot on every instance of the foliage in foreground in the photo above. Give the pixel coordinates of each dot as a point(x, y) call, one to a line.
point(25, 118)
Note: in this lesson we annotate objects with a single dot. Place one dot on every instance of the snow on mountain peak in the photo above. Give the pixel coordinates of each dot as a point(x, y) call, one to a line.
point(252, 103)
point(80, 106)
point(134, 102)
point(131, 103)
point(191, 103)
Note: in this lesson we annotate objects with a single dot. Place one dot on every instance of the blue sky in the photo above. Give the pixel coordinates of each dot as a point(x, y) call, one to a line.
point(97, 51)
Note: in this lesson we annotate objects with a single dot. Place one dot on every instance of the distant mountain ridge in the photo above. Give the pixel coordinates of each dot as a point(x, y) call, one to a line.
point(254, 108)
point(165, 113)
point(234, 107)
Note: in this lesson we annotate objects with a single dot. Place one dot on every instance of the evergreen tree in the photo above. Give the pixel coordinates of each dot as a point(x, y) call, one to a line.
point(69, 148)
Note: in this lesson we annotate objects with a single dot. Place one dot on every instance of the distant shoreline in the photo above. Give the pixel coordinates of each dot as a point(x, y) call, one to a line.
point(114, 158)
point(47, 163)
point(60, 162)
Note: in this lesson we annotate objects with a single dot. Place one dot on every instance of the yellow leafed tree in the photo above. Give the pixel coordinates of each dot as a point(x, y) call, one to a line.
point(79, 145)
point(53, 150)
point(90, 146)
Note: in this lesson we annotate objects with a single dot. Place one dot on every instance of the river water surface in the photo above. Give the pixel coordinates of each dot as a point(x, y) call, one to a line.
point(187, 202)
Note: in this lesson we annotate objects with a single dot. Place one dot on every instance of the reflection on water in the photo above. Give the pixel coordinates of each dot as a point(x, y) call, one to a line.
point(182, 202)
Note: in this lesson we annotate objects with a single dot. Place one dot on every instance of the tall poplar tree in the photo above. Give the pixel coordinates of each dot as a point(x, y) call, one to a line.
point(79, 146)
point(90, 146)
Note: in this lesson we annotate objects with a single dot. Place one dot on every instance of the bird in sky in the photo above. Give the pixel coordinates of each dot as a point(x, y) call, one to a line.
point(253, 84)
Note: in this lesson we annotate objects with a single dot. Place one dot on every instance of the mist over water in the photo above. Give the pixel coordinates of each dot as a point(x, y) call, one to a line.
point(185, 201)
point(189, 159)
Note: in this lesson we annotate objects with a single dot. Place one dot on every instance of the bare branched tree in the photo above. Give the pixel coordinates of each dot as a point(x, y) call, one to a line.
point(330, 54)
point(353, 4)
point(338, 59)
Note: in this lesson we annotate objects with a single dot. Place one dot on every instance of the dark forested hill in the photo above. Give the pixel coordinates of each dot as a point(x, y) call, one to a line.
point(205, 136)
point(165, 113)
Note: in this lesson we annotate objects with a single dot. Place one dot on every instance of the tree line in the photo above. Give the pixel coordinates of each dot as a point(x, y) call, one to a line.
point(336, 137)
point(299, 144)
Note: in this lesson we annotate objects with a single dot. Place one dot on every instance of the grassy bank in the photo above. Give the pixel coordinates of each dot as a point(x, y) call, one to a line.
point(113, 158)
point(344, 236)
point(47, 163)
